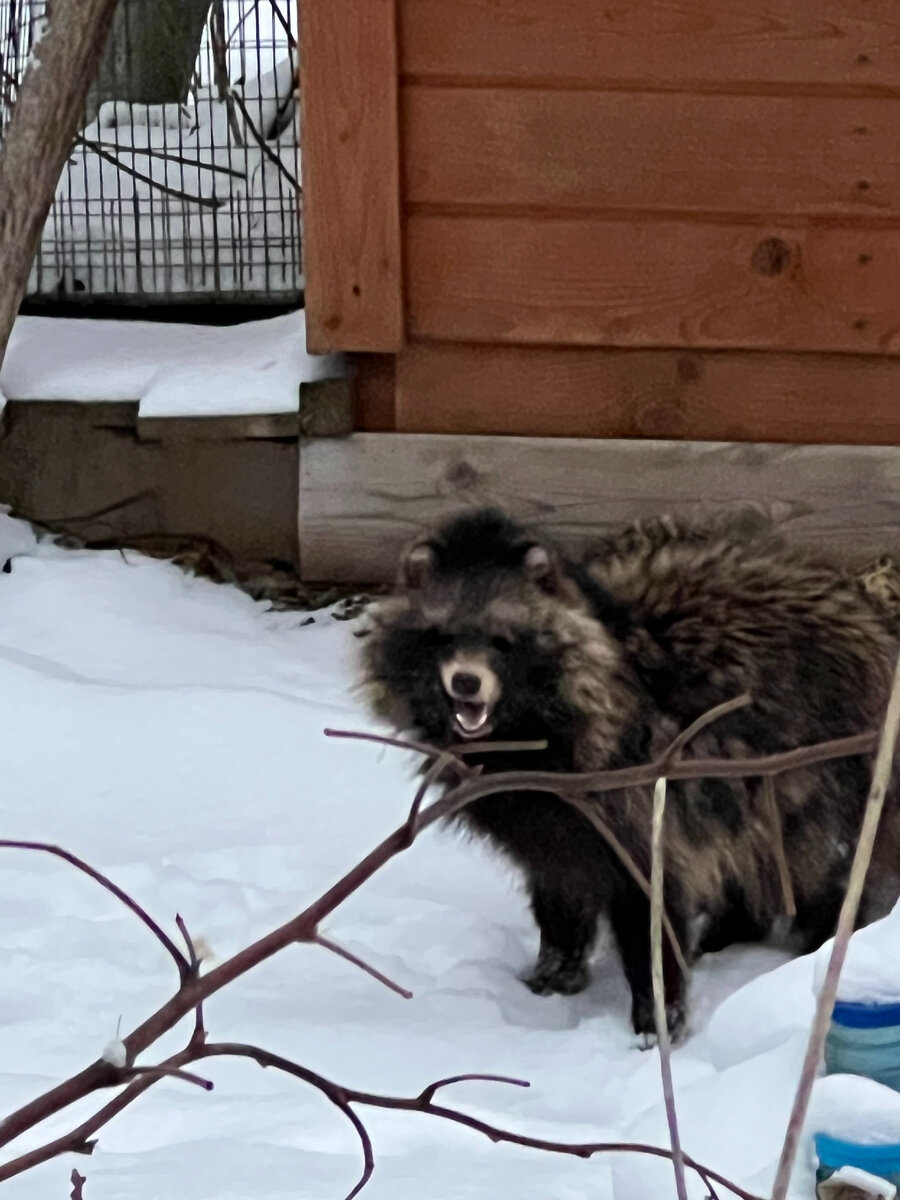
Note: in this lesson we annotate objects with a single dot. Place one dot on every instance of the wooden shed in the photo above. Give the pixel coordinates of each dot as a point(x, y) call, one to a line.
point(596, 258)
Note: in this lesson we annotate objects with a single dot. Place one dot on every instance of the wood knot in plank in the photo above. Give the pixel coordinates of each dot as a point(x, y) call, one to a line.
point(461, 476)
point(688, 367)
point(772, 256)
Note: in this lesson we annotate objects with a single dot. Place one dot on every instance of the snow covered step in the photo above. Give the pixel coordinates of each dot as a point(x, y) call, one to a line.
point(170, 370)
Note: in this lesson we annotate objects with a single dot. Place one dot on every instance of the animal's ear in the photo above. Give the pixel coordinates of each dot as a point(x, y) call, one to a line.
point(418, 565)
point(540, 567)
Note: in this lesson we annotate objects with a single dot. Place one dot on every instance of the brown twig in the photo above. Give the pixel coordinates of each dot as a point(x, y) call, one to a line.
point(301, 927)
point(659, 983)
point(164, 1072)
point(708, 1184)
point(264, 146)
point(105, 511)
point(78, 1181)
point(458, 749)
point(162, 155)
point(285, 25)
point(344, 1097)
point(587, 783)
point(881, 775)
point(115, 161)
point(219, 46)
point(199, 1034)
point(714, 714)
point(427, 1094)
point(590, 813)
point(132, 905)
point(784, 872)
point(431, 776)
point(349, 956)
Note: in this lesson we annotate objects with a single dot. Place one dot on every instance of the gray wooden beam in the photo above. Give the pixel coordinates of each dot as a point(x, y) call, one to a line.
point(362, 497)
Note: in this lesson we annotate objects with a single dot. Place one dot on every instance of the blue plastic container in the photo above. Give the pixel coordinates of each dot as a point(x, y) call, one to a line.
point(864, 1039)
point(832, 1153)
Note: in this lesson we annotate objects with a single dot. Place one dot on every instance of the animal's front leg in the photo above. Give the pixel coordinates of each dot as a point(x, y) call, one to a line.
point(630, 918)
point(568, 930)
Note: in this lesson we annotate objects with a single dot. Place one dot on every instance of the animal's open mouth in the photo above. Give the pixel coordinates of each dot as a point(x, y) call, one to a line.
point(472, 719)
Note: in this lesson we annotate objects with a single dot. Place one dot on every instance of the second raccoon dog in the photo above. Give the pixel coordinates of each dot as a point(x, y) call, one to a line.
point(492, 633)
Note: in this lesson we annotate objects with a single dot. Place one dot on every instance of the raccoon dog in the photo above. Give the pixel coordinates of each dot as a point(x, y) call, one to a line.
point(492, 633)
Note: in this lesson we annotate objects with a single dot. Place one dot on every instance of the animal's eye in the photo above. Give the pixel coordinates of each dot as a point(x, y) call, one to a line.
point(501, 643)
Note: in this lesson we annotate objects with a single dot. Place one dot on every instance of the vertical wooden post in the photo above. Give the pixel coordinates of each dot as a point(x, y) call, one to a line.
point(351, 175)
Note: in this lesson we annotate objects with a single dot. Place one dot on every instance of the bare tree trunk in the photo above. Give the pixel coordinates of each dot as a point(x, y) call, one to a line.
point(151, 52)
point(39, 137)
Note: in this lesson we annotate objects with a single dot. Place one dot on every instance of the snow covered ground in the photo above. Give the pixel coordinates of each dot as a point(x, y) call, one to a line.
point(170, 731)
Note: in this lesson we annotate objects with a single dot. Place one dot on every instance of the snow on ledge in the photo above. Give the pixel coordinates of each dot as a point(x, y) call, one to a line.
point(172, 370)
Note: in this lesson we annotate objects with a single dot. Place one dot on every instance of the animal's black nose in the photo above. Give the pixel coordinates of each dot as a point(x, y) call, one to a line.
point(465, 684)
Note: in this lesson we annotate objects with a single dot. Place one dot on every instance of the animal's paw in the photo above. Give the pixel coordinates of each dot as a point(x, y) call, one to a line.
point(644, 1022)
point(555, 975)
point(645, 1041)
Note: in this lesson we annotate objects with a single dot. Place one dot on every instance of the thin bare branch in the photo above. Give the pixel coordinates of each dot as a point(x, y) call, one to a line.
point(283, 22)
point(659, 983)
point(189, 942)
point(219, 46)
point(350, 957)
point(365, 1142)
point(162, 155)
point(567, 785)
point(132, 905)
point(770, 803)
point(459, 749)
point(115, 161)
point(164, 1072)
point(591, 814)
point(199, 1034)
point(708, 1184)
point(427, 1094)
point(264, 146)
point(302, 927)
point(344, 1097)
point(431, 776)
point(707, 718)
point(79, 1140)
point(338, 1095)
point(881, 776)
point(105, 511)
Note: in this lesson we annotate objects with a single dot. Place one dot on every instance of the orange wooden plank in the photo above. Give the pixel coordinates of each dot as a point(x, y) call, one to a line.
point(852, 44)
point(374, 407)
point(595, 281)
point(734, 396)
point(590, 150)
point(351, 172)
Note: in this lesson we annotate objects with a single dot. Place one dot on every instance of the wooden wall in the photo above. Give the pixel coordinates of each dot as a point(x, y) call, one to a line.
point(665, 218)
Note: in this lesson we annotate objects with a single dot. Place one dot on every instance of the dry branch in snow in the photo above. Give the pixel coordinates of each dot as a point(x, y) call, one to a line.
point(118, 1066)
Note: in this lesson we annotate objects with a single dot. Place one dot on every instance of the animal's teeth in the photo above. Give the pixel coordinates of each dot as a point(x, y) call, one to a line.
point(472, 721)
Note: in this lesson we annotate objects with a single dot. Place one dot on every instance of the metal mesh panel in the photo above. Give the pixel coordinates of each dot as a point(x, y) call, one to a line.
point(169, 202)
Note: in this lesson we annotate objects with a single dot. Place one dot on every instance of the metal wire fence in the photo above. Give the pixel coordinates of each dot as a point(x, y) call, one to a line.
point(167, 201)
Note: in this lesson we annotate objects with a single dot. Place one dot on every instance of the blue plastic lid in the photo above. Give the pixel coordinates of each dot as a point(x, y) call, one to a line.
point(865, 1016)
point(878, 1160)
